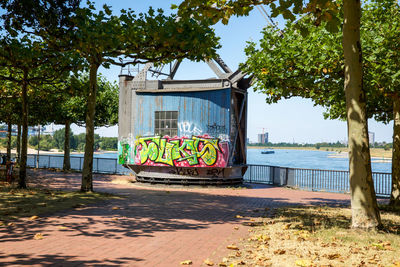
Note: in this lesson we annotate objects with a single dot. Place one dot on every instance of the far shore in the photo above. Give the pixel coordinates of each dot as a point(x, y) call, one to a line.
point(338, 152)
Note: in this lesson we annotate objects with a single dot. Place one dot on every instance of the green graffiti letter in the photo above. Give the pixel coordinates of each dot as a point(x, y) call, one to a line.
point(209, 152)
point(149, 151)
point(164, 153)
point(123, 157)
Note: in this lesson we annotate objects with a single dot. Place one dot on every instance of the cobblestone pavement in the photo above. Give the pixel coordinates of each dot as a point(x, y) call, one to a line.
point(149, 226)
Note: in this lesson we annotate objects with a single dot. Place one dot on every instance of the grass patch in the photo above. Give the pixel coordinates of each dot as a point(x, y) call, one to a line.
point(317, 236)
point(16, 203)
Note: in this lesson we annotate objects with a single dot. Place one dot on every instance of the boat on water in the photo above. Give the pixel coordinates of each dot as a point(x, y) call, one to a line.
point(267, 152)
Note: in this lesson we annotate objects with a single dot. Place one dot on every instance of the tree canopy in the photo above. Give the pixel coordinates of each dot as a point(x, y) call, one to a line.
point(99, 37)
point(288, 64)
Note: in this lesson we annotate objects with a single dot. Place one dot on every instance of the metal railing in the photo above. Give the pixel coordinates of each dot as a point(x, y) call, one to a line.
point(313, 179)
point(306, 179)
point(100, 165)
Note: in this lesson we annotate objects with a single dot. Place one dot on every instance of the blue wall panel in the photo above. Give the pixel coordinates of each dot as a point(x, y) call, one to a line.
point(201, 112)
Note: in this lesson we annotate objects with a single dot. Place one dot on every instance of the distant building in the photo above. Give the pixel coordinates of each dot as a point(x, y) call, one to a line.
point(371, 136)
point(263, 138)
point(32, 130)
point(4, 130)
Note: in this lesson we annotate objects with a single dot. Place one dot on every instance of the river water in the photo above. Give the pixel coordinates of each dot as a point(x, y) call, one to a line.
point(293, 158)
point(309, 159)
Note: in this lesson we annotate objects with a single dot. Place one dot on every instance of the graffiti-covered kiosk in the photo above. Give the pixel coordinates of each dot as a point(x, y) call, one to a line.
point(183, 131)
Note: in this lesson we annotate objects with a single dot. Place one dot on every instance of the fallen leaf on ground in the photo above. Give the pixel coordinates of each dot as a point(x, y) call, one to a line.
point(186, 262)
point(62, 227)
point(11, 224)
point(279, 252)
point(38, 236)
point(232, 247)
point(303, 263)
point(33, 218)
point(115, 208)
point(222, 264)
point(208, 262)
point(263, 238)
point(333, 256)
point(239, 216)
point(115, 219)
point(236, 228)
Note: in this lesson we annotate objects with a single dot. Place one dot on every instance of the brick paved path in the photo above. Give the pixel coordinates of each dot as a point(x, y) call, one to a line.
point(154, 226)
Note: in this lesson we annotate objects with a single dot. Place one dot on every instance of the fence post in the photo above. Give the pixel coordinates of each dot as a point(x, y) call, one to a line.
point(312, 180)
point(116, 166)
point(249, 172)
point(80, 163)
point(287, 176)
point(97, 164)
point(273, 174)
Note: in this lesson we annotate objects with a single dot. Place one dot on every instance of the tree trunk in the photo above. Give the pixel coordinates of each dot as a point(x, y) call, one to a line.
point(19, 143)
point(24, 147)
point(87, 176)
point(395, 194)
point(365, 213)
point(38, 150)
point(67, 162)
point(9, 131)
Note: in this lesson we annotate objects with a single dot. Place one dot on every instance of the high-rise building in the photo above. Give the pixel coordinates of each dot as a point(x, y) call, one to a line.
point(371, 136)
point(262, 138)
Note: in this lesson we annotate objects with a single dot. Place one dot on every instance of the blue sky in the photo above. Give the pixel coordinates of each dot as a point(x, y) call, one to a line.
point(287, 121)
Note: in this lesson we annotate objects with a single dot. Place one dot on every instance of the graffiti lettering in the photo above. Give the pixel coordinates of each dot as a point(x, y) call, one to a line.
point(188, 129)
point(187, 172)
point(216, 129)
point(123, 153)
point(199, 151)
point(215, 173)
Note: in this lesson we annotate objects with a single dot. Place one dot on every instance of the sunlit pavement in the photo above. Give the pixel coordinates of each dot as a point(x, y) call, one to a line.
point(149, 226)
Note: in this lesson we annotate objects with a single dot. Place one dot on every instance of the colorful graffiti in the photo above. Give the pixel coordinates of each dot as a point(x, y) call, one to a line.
point(124, 152)
point(198, 151)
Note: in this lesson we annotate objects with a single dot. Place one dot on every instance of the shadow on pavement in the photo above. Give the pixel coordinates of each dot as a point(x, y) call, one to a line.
point(60, 260)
